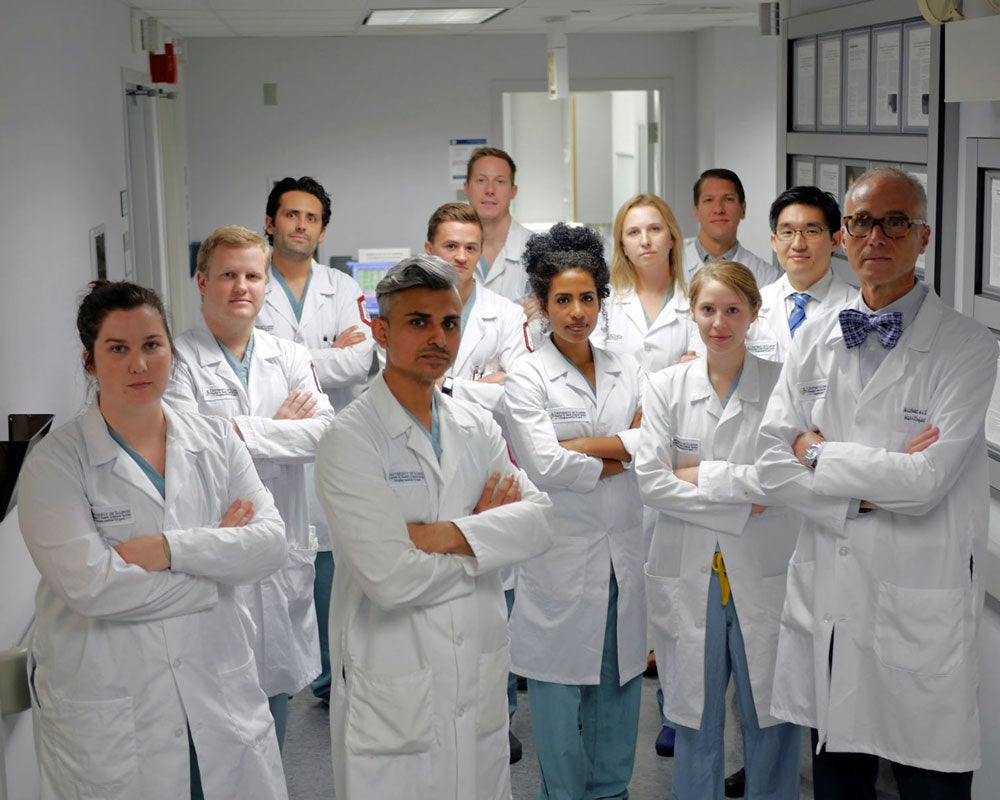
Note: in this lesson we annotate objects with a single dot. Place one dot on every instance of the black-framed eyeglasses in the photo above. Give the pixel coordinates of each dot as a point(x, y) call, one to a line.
point(895, 226)
point(810, 232)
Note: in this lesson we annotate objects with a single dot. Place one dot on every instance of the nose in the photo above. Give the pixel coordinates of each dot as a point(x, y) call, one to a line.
point(644, 238)
point(799, 240)
point(137, 363)
point(436, 335)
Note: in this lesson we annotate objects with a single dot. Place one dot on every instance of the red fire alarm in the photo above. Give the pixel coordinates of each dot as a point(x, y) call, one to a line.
point(163, 68)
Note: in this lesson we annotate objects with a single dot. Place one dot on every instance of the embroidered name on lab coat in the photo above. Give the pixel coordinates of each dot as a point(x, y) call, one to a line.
point(914, 414)
point(567, 414)
point(112, 515)
point(683, 445)
point(814, 390)
point(263, 327)
point(615, 338)
point(763, 347)
point(220, 392)
point(407, 476)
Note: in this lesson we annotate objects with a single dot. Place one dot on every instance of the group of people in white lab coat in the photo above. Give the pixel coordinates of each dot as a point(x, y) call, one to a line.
point(645, 473)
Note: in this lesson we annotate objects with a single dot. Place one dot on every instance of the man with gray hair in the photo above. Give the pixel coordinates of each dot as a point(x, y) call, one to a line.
point(875, 434)
point(425, 508)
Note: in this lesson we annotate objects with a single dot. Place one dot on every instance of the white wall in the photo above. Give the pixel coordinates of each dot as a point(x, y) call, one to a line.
point(62, 157)
point(737, 92)
point(371, 119)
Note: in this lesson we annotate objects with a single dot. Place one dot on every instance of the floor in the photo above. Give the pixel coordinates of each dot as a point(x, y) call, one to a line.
point(310, 777)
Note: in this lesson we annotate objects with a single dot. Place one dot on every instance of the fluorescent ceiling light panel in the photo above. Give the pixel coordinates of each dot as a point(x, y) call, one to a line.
point(431, 16)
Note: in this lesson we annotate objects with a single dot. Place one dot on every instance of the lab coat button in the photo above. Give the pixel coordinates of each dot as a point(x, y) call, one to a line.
point(459, 640)
point(177, 663)
point(461, 711)
point(179, 733)
point(699, 624)
point(827, 618)
point(844, 551)
point(704, 570)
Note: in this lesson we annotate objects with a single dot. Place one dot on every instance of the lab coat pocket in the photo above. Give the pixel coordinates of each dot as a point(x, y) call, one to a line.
point(554, 579)
point(246, 705)
point(493, 670)
point(88, 748)
point(387, 713)
point(797, 610)
point(668, 615)
point(921, 631)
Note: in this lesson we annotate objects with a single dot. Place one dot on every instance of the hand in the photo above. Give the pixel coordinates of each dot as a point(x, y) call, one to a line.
point(532, 308)
point(687, 474)
point(690, 355)
point(870, 505)
point(574, 445)
point(923, 440)
point(756, 509)
point(636, 418)
point(348, 338)
point(237, 429)
point(494, 377)
point(149, 552)
point(439, 538)
point(610, 467)
point(300, 404)
point(498, 493)
point(238, 514)
point(802, 443)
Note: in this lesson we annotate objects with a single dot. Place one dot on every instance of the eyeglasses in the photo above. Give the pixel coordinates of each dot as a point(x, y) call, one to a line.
point(811, 233)
point(895, 227)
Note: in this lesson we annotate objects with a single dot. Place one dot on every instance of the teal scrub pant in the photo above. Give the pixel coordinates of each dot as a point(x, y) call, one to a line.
point(278, 703)
point(585, 735)
point(508, 595)
point(770, 755)
point(322, 588)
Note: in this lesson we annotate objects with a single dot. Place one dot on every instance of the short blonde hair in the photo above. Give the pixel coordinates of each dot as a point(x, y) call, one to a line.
point(736, 276)
point(231, 236)
point(622, 271)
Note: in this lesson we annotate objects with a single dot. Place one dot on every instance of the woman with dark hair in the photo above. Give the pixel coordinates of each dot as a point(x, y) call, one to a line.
point(142, 521)
point(578, 627)
point(715, 578)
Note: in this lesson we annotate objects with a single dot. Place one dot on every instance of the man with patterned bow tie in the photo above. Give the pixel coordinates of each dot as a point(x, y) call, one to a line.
point(875, 432)
point(805, 233)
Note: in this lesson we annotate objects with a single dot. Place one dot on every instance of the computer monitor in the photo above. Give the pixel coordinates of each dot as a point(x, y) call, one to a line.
point(368, 274)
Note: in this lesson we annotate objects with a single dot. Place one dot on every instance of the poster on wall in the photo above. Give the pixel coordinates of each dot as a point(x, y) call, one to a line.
point(804, 85)
point(803, 171)
point(828, 175)
point(917, 94)
point(830, 100)
point(459, 151)
point(991, 228)
point(887, 47)
point(856, 79)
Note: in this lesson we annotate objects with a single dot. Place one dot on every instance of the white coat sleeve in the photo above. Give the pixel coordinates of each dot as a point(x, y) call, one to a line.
point(508, 534)
point(338, 367)
point(725, 482)
point(654, 469)
point(914, 484)
point(180, 393)
point(234, 555)
point(369, 531)
point(782, 476)
point(55, 518)
point(485, 395)
point(289, 441)
point(533, 438)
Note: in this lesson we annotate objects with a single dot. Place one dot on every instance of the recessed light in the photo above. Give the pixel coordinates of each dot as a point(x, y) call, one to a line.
point(432, 16)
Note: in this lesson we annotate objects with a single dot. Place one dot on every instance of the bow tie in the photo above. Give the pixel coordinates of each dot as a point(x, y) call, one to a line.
point(856, 326)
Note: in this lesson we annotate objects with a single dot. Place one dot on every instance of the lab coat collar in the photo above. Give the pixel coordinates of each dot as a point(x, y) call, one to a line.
point(210, 353)
point(557, 367)
point(274, 296)
point(747, 391)
point(668, 315)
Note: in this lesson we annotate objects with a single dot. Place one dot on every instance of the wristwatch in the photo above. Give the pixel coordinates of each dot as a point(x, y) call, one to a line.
point(447, 385)
point(812, 454)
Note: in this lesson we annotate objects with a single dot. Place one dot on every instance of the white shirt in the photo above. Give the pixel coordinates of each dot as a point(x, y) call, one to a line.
point(763, 271)
point(418, 642)
point(125, 660)
point(506, 276)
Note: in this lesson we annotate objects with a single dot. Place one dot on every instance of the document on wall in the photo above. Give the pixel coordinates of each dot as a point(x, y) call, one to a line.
point(828, 177)
point(887, 52)
point(459, 151)
point(918, 76)
point(805, 172)
point(829, 82)
point(856, 111)
point(805, 83)
point(993, 193)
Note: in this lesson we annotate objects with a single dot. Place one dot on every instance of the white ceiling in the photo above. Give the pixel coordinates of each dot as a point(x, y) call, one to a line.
point(190, 18)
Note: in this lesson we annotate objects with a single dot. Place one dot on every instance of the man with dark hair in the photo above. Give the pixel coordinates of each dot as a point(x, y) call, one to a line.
point(805, 233)
point(875, 433)
point(490, 187)
point(425, 508)
point(719, 207)
point(324, 310)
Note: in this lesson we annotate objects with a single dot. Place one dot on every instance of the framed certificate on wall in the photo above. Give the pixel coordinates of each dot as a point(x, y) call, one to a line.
point(829, 96)
point(887, 46)
point(916, 77)
point(803, 171)
point(804, 84)
point(857, 80)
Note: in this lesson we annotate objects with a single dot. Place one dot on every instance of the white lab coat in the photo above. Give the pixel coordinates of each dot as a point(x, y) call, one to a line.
point(558, 621)
point(418, 642)
point(286, 642)
point(124, 660)
point(333, 303)
point(769, 336)
point(622, 328)
point(900, 586)
point(495, 336)
point(507, 276)
point(763, 271)
point(683, 425)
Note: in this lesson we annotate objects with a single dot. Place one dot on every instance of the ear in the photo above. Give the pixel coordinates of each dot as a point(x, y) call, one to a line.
point(925, 237)
point(380, 331)
point(88, 365)
point(838, 239)
point(200, 277)
point(428, 249)
point(743, 210)
point(774, 243)
point(513, 191)
point(756, 311)
point(465, 188)
point(269, 225)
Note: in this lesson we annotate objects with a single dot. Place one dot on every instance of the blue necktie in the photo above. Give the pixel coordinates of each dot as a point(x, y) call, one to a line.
point(856, 326)
point(798, 315)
